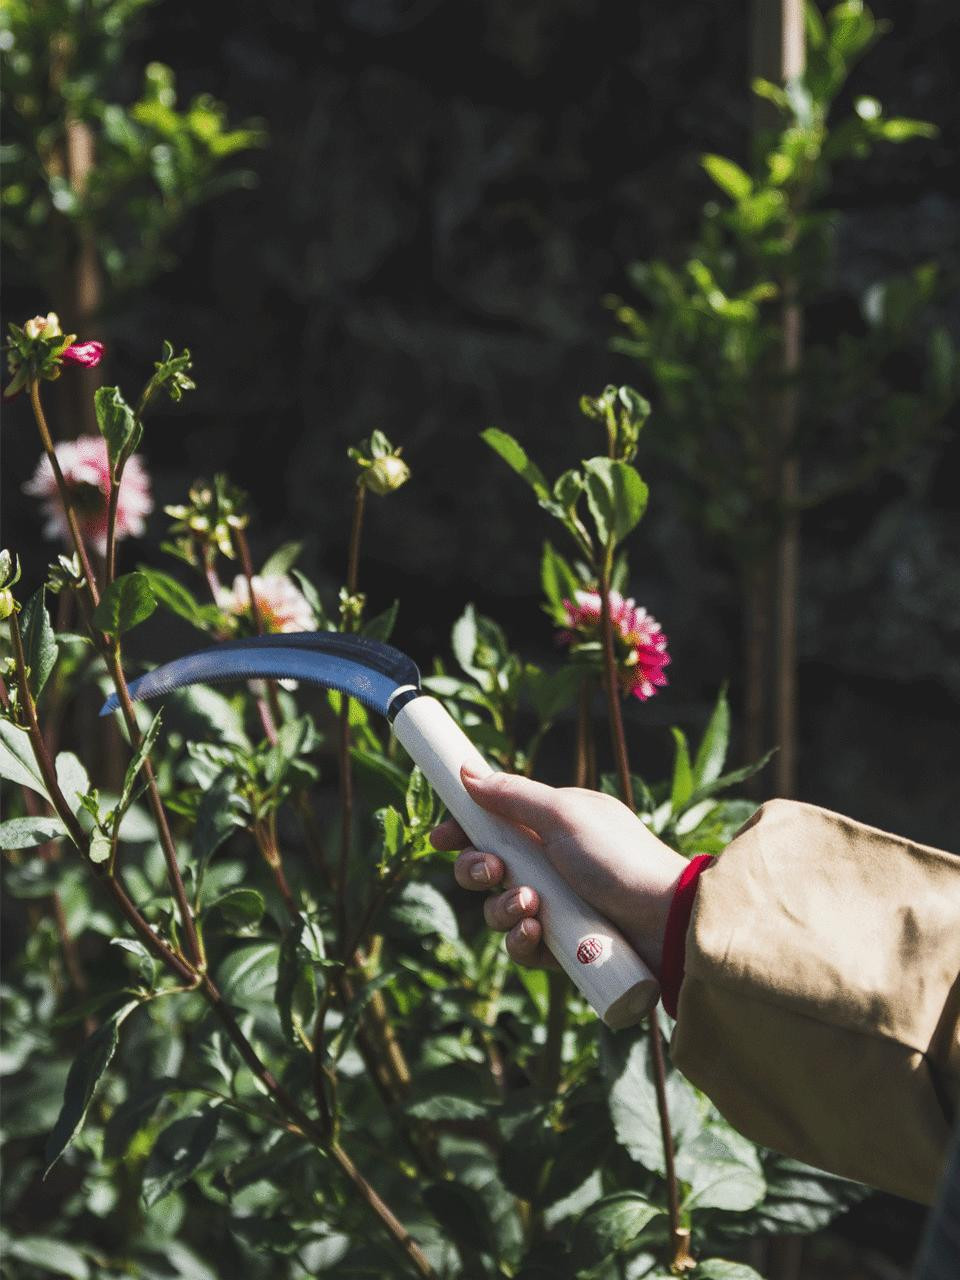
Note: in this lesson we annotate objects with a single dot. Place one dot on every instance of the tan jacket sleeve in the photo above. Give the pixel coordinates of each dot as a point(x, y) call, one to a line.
point(821, 1004)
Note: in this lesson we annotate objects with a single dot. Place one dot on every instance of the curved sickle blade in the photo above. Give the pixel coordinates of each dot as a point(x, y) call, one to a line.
point(365, 669)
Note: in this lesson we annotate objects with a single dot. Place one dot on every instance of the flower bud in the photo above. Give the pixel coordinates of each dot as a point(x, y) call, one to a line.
point(7, 604)
point(384, 475)
point(86, 354)
point(47, 326)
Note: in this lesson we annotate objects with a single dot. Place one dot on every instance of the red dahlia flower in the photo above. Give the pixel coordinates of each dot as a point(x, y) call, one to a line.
point(639, 642)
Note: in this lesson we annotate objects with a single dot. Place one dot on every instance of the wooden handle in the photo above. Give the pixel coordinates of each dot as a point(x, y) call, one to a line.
point(594, 954)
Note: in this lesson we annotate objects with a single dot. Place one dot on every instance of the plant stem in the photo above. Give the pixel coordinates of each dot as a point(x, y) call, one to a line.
point(110, 558)
point(194, 947)
point(551, 1060)
point(398, 1071)
point(46, 438)
point(265, 834)
point(314, 1132)
point(111, 656)
point(408, 1246)
point(679, 1236)
point(585, 771)
point(343, 745)
point(383, 1212)
point(74, 830)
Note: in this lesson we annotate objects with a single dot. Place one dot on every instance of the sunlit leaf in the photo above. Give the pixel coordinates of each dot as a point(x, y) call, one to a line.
point(39, 642)
point(88, 1066)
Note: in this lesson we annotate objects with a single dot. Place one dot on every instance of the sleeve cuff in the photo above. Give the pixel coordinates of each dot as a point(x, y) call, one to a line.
point(675, 937)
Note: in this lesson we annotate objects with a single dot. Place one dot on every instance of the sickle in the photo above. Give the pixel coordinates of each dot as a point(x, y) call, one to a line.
point(592, 951)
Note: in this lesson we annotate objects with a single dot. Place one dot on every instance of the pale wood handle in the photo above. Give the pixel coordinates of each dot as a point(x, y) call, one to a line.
point(594, 954)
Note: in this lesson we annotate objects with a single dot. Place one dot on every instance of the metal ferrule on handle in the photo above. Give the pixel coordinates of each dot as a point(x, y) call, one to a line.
point(594, 954)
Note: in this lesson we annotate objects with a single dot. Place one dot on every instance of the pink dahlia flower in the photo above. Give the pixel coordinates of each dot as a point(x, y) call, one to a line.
point(86, 471)
point(87, 354)
point(282, 606)
point(639, 639)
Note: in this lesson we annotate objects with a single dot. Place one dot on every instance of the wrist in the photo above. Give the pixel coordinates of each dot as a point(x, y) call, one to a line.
point(650, 905)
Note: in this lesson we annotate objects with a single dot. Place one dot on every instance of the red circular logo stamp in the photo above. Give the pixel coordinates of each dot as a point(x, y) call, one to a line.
point(590, 949)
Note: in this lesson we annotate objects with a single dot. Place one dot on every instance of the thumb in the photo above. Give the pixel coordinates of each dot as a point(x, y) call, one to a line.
point(521, 800)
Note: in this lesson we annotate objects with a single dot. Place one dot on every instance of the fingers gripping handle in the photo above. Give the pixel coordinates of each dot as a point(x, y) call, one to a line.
point(594, 954)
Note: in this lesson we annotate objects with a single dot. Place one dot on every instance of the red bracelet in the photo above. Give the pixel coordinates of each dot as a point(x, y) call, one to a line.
point(675, 937)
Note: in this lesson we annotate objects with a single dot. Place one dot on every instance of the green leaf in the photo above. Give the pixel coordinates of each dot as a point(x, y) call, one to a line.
point(617, 497)
point(900, 129)
point(381, 626)
point(52, 1257)
point(800, 1198)
point(126, 602)
point(731, 779)
point(557, 578)
point(177, 1154)
point(446, 1106)
point(681, 787)
point(217, 817)
point(712, 751)
point(721, 1269)
point(382, 767)
point(39, 642)
point(133, 1114)
point(282, 560)
point(214, 716)
point(419, 800)
point(632, 1099)
point(463, 639)
point(118, 425)
point(72, 779)
point(147, 962)
point(423, 910)
point(722, 1170)
point(17, 763)
point(175, 597)
point(312, 597)
point(240, 907)
point(551, 692)
point(88, 1066)
point(295, 993)
point(24, 833)
point(728, 176)
point(515, 456)
point(294, 738)
point(611, 1226)
point(134, 767)
point(393, 830)
point(462, 1212)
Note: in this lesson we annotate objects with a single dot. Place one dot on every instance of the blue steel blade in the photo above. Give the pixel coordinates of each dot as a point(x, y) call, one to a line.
point(271, 661)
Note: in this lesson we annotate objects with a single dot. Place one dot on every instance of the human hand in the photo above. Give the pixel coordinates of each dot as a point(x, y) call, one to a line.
point(602, 850)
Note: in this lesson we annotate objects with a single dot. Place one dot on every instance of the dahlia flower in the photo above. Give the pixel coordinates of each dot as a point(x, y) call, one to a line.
point(86, 472)
point(639, 643)
point(282, 606)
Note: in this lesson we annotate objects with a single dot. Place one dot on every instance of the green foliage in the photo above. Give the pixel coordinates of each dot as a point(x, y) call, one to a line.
point(346, 988)
point(151, 160)
point(709, 333)
point(126, 602)
point(39, 643)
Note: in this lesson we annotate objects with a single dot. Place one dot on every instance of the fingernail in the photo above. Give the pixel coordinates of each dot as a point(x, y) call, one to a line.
point(480, 872)
point(526, 930)
point(520, 903)
point(467, 771)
